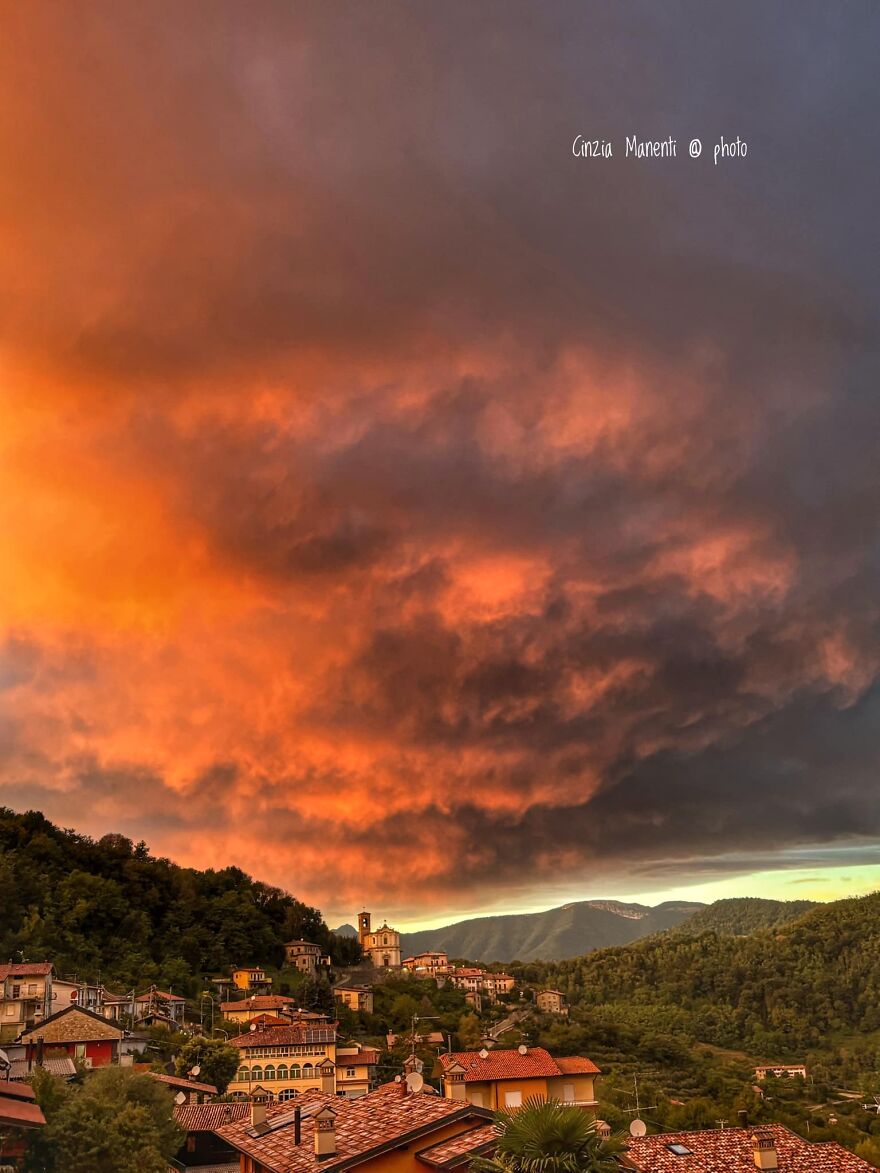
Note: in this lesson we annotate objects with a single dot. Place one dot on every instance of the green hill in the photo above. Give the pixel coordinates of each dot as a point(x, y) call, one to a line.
point(109, 909)
point(739, 916)
point(773, 992)
point(568, 931)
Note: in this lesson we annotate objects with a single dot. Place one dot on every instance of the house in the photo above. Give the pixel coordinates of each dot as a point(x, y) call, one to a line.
point(204, 1151)
point(739, 1150)
point(551, 1002)
point(251, 977)
point(506, 1079)
point(249, 1008)
point(355, 1069)
point(474, 1000)
point(86, 1037)
point(153, 1006)
point(25, 996)
point(383, 1132)
point(192, 1091)
point(791, 1070)
point(426, 964)
point(281, 1062)
point(357, 998)
point(382, 947)
point(19, 1113)
point(304, 956)
point(477, 981)
point(67, 991)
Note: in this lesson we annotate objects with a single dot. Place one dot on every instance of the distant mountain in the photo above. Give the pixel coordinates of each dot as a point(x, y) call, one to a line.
point(346, 931)
point(740, 916)
point(569, 931)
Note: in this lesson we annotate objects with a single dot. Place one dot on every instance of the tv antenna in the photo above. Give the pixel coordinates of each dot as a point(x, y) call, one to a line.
point(637, 1126)
point(722, 1124)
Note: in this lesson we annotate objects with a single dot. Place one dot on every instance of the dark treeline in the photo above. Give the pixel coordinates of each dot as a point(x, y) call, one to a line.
point(109, 909)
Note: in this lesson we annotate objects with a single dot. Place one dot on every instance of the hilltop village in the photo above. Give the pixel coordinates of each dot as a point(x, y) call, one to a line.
point(388, 1062)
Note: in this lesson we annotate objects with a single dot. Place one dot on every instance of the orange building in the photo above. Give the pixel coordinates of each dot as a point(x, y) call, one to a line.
point(506, 1079)
point(389, 1131)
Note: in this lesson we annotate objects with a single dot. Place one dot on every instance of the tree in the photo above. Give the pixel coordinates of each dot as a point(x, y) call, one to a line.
point(217, 1061)
point(116, 1122)
point(545, 1136)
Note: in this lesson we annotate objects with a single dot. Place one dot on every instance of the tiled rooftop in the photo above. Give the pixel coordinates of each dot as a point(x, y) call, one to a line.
point(730, 1150)
point(362, 1125)
point(25, 969)
point(455, 1153)
point(283, 1036)
point(207, 1117)
point(185, 1085)
point(73, 1025)
point(499, 1064)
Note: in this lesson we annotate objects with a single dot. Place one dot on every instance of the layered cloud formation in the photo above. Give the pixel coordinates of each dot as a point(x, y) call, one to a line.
point(408, 511)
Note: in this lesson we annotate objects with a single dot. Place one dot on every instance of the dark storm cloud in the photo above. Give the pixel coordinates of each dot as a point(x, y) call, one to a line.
point(542, 491)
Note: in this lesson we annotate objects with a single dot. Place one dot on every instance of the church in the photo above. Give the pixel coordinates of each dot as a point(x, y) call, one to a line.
point(381, 947)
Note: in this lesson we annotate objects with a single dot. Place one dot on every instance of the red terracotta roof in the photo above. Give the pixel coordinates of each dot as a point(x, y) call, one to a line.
point(185, 1085)
point(499, 1064)
point(729, 1150)
point(364, 1128)
point(18, 1106)
point(208, 1117)
point(25, 969)
point(162, 995)
point(258, 1002)
point(454, 1153)
point(576, 1065)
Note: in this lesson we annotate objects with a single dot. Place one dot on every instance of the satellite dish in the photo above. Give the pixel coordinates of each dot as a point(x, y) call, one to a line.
point(415, 1082)
point(180, 1098)
point(484, 1054)
point(74, 994)
point(638, 1127)
point(194, 1071)
point(523, 1049)
point(253, 1026)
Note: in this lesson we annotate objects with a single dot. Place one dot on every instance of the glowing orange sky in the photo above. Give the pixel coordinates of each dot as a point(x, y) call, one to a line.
point(405, 522)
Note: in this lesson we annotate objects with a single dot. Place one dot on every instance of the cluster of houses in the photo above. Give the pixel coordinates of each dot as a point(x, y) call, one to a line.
point(303, 1097)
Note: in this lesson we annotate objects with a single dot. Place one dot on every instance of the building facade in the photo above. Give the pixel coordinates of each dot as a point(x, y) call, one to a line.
point(304, 956)
point(551, 1002)
point(25, 996)
point(89, 1039)
point(356, 1067)
point(426, 964)
point(251, 977)
point(381, 947)
point(282, 1062)
point(501, 1079)
point(357, 998)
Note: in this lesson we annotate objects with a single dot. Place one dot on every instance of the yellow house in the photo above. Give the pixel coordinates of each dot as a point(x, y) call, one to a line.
point(506, 1079)
point(248, 1008)
point(282, 1062)
point(251, 977)
point(357, 998)
point(355, 1065)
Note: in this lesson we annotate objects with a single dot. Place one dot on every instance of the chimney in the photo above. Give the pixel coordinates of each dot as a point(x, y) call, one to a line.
point(743, 1118)
point(325, 1133)
point(764, 1150)
point(258, 1114)
point(297, 1125)
point(328, 1078)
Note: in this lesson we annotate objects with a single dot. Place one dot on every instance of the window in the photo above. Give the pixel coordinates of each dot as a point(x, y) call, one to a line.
point(287, 1093)
point(283, 1072)
point(513, 1099)
point(295, 1072)
point(350, 1073)
point(568, 1093)
point(680, 1150)
point(269, 1072)
point(80, 1051)
point(257, 1072)
point(242, 1075)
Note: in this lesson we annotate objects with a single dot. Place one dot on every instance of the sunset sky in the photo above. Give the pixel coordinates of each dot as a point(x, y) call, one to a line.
point(410, 512)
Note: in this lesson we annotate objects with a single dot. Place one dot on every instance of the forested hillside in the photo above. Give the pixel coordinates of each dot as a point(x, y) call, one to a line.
point(741, 915)
point(110, 909)
point(772, 993)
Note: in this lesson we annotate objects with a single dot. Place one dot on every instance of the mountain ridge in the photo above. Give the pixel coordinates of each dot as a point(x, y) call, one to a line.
point(569, 930)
